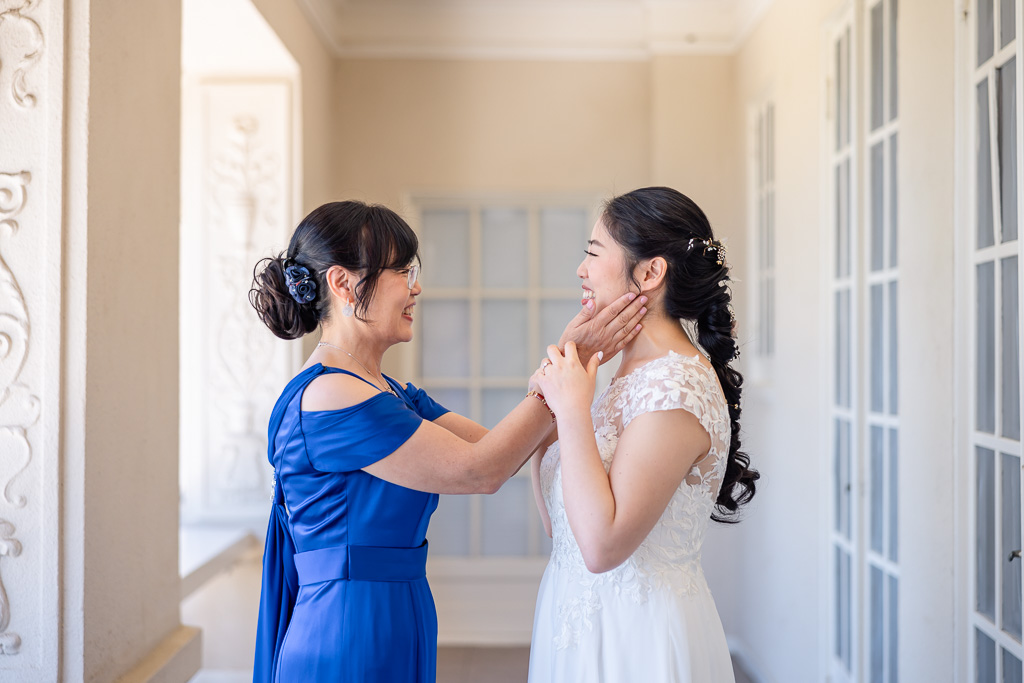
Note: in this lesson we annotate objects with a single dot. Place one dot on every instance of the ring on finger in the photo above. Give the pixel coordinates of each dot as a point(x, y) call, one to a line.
point(544, 365)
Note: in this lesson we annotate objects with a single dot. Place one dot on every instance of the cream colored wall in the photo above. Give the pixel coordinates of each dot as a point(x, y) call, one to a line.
point(97, 148)
point(694, 145)
point(317, 66)
point(130, 515)
point(456, 125)
point(776, 614)
point(933, 570)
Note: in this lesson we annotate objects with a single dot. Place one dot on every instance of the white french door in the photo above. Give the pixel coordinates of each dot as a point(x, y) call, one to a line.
point(843, 553)
point(990, 291)
point(864, 283)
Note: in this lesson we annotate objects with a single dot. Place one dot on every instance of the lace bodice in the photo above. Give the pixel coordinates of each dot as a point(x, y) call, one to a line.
point(669, 558)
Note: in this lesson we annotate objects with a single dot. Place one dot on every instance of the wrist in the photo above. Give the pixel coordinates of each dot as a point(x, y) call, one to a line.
point(575, 429)
point(533, 393)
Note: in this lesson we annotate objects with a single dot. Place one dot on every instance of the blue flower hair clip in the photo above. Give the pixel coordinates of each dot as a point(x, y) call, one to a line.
point(301, 285)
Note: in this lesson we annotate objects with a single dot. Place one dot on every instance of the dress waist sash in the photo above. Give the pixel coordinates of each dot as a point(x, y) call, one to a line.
point(361, 563)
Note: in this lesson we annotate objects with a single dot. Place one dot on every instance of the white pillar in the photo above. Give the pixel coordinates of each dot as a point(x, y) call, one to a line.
point(89, 116)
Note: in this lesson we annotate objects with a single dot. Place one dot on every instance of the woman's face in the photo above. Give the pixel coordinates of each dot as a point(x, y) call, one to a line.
point(603, 270)
point(391, 310)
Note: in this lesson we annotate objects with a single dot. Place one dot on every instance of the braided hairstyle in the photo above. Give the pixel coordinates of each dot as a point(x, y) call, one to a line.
point(660, 221)
point(366, 239)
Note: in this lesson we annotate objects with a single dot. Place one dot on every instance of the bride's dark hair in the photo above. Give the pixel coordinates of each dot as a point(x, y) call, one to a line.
point(659, 221)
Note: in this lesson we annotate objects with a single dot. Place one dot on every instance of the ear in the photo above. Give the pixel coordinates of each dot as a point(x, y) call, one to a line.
point(341, 282)
point(651, 273)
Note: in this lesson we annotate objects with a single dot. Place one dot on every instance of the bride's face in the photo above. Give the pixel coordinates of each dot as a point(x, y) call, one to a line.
point(603, 270)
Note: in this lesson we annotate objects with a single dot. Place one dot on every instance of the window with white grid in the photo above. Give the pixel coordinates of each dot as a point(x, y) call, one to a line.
point(499, 284)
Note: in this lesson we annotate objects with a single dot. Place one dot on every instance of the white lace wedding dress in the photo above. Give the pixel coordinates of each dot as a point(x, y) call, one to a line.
point(651, 619)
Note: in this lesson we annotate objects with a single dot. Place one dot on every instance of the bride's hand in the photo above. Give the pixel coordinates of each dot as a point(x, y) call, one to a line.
point(563, 380)
point(607, 330)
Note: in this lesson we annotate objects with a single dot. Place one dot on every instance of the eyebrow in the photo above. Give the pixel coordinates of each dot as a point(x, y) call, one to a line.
point(594, 243)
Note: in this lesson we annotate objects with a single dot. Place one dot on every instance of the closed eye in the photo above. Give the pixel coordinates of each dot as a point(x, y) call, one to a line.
point(589, 253)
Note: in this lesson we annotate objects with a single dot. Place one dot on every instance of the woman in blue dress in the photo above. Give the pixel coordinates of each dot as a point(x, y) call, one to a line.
point(359, 458)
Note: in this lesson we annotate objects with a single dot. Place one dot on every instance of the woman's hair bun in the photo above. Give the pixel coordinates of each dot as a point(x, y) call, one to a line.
point(275, 305)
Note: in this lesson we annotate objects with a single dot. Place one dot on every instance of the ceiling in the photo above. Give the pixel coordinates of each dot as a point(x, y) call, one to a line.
point(532, 29)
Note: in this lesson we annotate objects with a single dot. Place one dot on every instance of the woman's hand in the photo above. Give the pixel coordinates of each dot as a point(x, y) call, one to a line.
point(607, 330)
point(564, 382)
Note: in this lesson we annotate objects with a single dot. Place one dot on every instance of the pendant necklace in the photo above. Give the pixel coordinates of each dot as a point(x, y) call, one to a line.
point(386, 385)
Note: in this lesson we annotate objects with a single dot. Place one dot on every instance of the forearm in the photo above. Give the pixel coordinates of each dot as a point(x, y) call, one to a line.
point(502, 451)
point(462, 427)
point(586, 489)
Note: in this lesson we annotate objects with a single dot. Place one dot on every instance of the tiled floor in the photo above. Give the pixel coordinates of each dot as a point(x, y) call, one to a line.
point(491, 664)
point(454, 665)
point(496, 665)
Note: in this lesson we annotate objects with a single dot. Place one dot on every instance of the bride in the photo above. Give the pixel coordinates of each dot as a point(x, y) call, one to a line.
point(628, 488)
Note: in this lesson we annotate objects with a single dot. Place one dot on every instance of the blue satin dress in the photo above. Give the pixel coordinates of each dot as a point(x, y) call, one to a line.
point(345, 595)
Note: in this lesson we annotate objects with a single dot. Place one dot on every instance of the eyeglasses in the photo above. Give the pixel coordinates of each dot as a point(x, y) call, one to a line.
point(413, 273)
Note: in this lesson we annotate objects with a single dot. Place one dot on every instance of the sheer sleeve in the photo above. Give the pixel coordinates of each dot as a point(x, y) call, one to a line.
point(669, 385)
point(352, 438)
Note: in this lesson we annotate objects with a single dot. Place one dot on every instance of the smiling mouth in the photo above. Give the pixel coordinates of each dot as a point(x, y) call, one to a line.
point(407, 311)
point(587, 294)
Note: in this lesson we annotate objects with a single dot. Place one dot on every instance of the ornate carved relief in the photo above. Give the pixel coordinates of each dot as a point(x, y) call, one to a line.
point(21, 46)
point(19, 407)
point(10, 642)
point(237, 208)
point(245, 184)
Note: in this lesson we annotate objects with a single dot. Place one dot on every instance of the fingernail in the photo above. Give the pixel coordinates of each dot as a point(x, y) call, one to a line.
point(590, 304)
point(600, 355)
point(643, 300)
point(632, 296)
point(643, 310)
point(638, 326)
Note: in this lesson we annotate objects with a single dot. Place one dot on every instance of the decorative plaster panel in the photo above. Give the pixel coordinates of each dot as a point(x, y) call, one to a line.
point(21, 46)
point(19, 407)
point(239, 367)
point(32, 113)
point(10, 642)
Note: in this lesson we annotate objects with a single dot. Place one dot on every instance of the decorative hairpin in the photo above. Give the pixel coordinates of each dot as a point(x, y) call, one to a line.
point(301, 285)
point(710, 245)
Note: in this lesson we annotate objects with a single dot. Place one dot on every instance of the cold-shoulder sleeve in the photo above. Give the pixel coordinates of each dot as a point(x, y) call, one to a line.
point(353, 438)
point(428, 408)
point(673, 383)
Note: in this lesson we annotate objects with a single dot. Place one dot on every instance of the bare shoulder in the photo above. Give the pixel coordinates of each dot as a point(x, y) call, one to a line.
point(334, 391)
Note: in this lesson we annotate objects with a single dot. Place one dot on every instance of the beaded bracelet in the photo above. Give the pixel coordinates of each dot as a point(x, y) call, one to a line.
point(540, 397)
